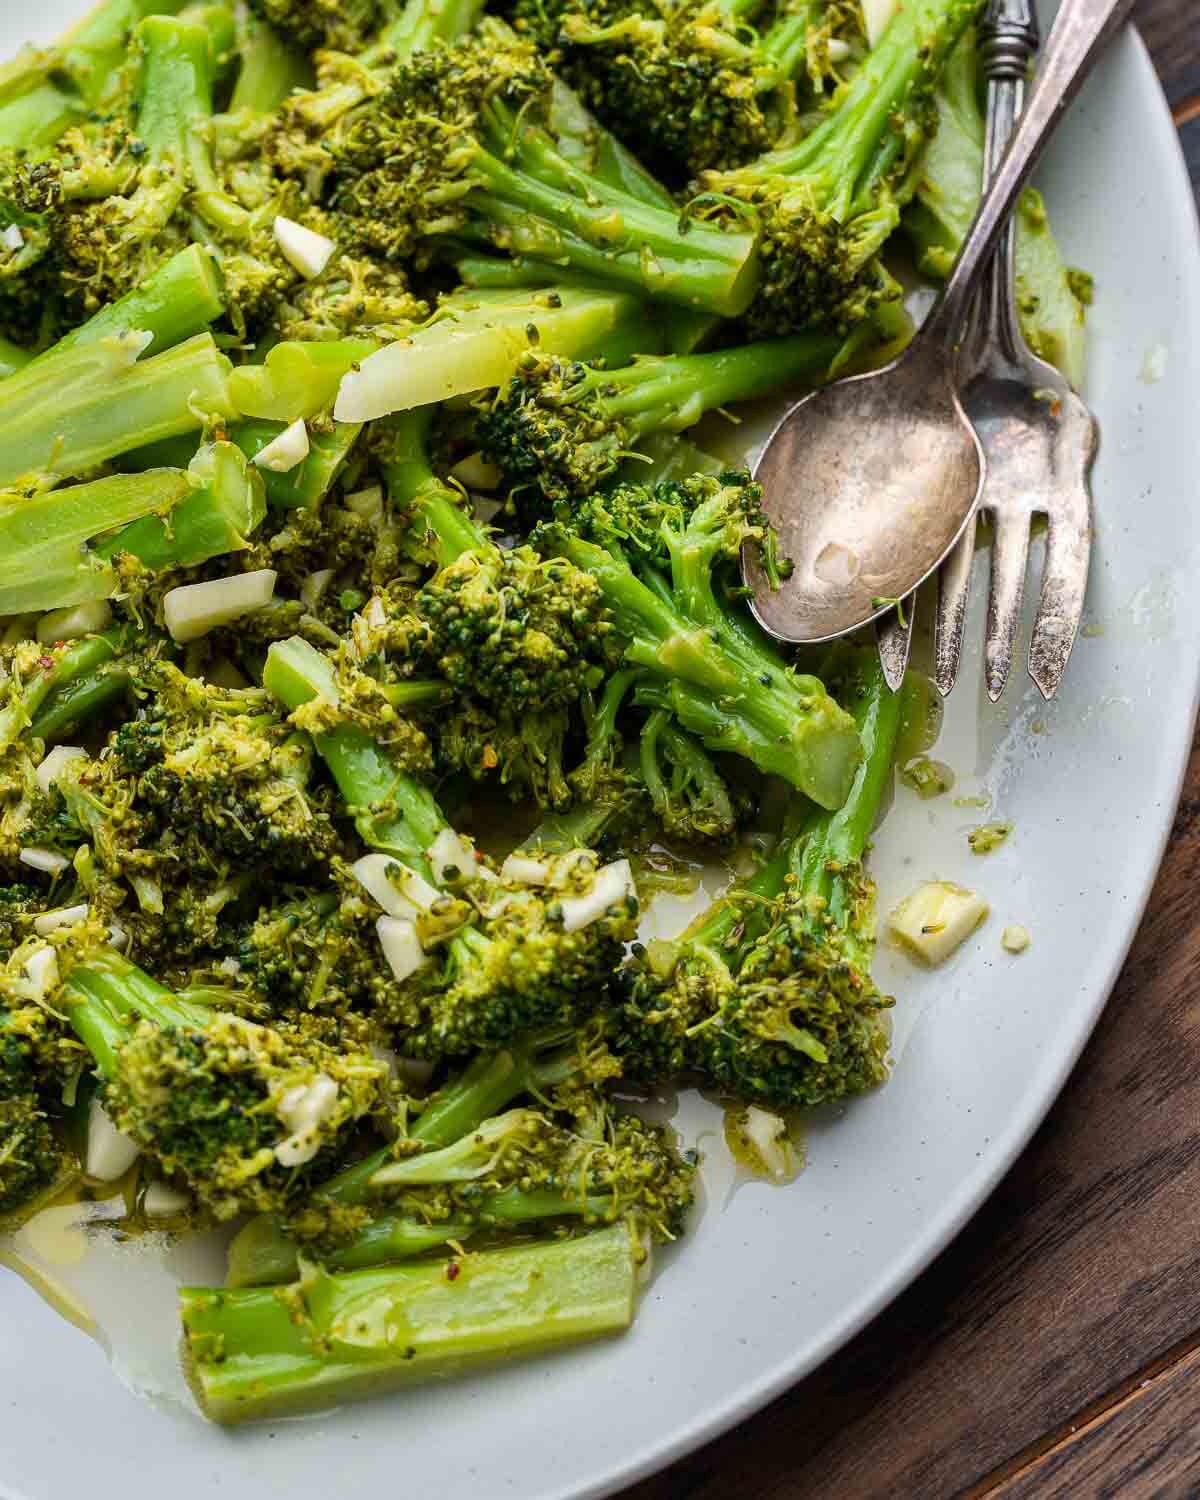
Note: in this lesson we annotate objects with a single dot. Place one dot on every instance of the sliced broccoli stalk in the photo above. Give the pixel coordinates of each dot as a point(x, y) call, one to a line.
point(829, 201)
point(938, 218)
point(296, 379)
point(79, 703)
point(262, 1252)
point(73, 409)
point(36, 119)
point(476, 339)
point(261, 1353)
point(178, 300)
point(225, 507)
point(563, 429)
point(305, 486)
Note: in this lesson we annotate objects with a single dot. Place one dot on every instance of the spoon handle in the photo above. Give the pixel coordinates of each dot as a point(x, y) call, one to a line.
point(1080, 33)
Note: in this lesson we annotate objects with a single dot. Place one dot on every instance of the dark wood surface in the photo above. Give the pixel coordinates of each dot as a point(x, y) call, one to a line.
point(1054, 1349)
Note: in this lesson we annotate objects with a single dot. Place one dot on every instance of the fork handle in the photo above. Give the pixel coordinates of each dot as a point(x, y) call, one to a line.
point(1080, 33)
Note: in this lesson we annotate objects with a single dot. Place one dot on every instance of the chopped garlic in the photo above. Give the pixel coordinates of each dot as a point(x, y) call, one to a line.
point(449, 851)
point(194, 609)
point(366, 503)
point(63, 916)
point(304, 249)
point(312, 590)
point(118, 937)
point(373, 873)
point(12, 238)
point(520, 869)
point(41, 969)
point(761, 1141)
point(477, 473)
point(1015, 938)
point(109, 1154)
point(55, 762)
point(937, 919)
point(304, 1109)
point(877, 15)
point(613, 884)
point(70, 624)
point(285, 452)
point(837, 49)
point(162, 1201)
point(48, 861)
point(401, 946)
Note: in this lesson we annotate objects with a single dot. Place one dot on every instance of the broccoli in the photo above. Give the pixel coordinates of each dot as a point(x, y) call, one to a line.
point(122, 196)
point(462, 144)
point(263, 1352)
point(551, 1067)
point(477, 959)
point(769, 995)
point(35, 1164)
point(936, 221)
point(246, 1114)
point(706, 88)
point(828, 202)
point(657, 555)
point(561, 429)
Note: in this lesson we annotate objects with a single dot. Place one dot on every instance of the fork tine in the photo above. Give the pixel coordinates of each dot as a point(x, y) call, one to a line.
point(954, 590)
point(1010, 553)
point(895, 642)
point(1064, 584)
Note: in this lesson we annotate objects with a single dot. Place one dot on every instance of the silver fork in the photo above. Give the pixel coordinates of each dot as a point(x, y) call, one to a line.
point(1038, 437)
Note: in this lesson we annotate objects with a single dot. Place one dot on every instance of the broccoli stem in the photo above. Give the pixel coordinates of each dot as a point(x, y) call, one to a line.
point(36, 119)
point(225, 508)
point(71, 410)
point(305, 486)
point(394, 813)
point(685, 757)
point(106, 995)
point(60, 666)
point(79, 703)
point(412, 485)
point(262, 1253)
point(296, 379)
point(258, 1353)
point(269, 71)
point(731, 696)
point(175, 302)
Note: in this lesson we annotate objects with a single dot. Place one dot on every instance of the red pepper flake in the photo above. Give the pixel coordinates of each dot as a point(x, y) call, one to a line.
point(452, 1270)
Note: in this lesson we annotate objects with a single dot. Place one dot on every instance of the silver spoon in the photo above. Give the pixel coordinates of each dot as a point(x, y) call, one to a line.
point(870, 482)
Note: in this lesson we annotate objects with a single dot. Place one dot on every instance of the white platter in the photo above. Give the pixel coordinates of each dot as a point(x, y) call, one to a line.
point(773, 1281)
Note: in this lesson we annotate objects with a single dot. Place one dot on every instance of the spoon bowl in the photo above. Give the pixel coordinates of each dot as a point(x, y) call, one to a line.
point(869, 483)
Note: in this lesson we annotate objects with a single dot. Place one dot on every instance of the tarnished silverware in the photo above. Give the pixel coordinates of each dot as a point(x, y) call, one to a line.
point(871, 481)
point(1039, 439)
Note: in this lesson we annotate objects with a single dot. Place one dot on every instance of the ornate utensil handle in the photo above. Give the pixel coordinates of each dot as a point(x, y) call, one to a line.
point(1079, 36)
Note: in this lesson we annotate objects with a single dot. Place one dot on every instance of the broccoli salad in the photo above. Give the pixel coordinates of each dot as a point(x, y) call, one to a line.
point(373, 650)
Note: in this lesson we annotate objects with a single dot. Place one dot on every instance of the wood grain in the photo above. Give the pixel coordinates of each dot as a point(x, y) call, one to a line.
point(1054, 1348)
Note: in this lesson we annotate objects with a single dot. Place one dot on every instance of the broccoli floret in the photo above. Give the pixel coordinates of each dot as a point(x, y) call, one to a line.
point(522, 750)
point(247, 1115)
point(462, 144)
point(705, 86)
point(338, 25)
point(827, 203)
point(702, 655)
point(120, 197)
point(562, 428)
point(478, 959)
point(34, 1162)
point(769, 995)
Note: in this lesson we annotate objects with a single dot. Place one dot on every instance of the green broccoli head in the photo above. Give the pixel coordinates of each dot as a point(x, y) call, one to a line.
point(525, 1164)
point(540, 946)
point(516, 629)
point(336, 25)
point(249, 1116)
point(33, 1160)
point(522, 750)
point(316, 953)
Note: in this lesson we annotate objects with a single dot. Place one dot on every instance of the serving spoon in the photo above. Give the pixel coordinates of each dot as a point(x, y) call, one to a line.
point(869, 482)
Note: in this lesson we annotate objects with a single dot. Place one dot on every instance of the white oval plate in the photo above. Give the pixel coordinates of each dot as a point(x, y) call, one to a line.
point(773, 1281)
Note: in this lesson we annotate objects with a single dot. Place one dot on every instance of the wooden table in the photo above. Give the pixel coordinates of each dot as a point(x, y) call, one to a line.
point(1054, 1348)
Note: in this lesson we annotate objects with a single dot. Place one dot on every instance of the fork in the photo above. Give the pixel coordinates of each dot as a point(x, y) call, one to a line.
point(1038, 436)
